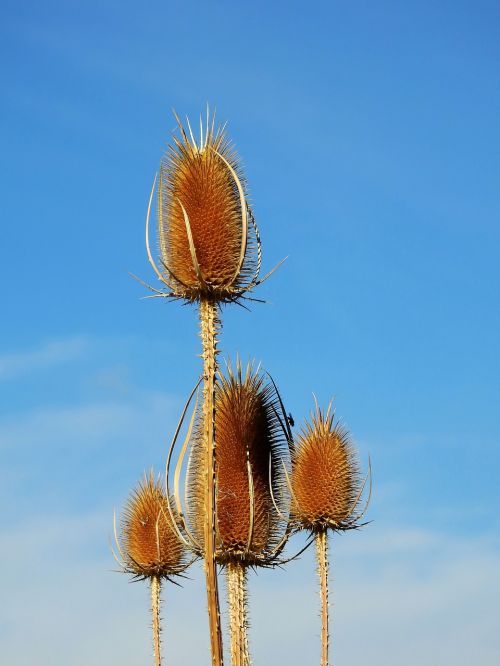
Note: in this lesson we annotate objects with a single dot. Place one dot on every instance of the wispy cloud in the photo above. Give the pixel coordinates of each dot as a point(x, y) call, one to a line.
point(433, 602)
point(45, 356)
point(58, 451)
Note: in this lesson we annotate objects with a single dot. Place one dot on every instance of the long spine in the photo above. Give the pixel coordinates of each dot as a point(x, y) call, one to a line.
point(209, 324)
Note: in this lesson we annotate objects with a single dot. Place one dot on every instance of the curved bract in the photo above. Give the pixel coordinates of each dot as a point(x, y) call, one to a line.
point(326, 489)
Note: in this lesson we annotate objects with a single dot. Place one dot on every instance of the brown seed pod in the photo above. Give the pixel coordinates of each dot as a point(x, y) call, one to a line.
point(208, 239)
point(251, 443)
point(325, 479)
point(149, 545)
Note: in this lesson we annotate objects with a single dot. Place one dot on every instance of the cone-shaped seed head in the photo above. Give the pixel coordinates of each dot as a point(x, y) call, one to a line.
point(325, 475)
point(202, 195)
point(250, 445)
point(148, 541)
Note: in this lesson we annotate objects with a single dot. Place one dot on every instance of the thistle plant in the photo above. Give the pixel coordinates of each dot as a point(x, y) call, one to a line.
point(252, 444)
point(209, 253)
point(326, 489)
point(148, 545)
point(247, 485)
point(250, 530)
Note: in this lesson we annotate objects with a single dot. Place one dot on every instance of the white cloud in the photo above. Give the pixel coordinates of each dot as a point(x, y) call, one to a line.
point(432, 601)
point(49, 354)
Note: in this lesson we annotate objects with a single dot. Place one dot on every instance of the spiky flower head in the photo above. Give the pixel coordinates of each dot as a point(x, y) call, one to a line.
point(325, 479)
point(208, 240)
point(251, 443)
point(148, 543)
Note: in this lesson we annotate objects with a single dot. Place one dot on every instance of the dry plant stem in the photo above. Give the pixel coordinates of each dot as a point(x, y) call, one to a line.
point(322, 557)
point(238, 621)
point(209, 324)
point(155, 611)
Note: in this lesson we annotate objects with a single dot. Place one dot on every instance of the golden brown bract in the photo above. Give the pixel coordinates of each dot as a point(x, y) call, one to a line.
point(149, 544)
point(250, 445)
point(325, 476)
point(208, 240)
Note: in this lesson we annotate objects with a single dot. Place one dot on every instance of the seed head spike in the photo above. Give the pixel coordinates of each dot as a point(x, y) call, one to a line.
point(191, 132)
point(202, 145)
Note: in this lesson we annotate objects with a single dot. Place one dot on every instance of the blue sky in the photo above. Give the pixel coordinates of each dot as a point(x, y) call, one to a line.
point(369, 137)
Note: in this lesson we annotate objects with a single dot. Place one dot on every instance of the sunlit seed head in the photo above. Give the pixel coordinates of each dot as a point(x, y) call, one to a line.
point(250, 445)
point(325, 475)
point(149, 544)
point(202, 194)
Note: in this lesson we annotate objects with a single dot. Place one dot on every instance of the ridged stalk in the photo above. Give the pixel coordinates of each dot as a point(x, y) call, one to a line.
point(209, 325)
point(238, 620)
point(155, 612)
point(322, 557)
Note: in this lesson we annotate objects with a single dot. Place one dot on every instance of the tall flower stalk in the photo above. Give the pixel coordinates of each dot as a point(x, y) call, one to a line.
point(326, 489)
point(148, 546)
point(209, 254)
point(247, 485)
point(251, 529)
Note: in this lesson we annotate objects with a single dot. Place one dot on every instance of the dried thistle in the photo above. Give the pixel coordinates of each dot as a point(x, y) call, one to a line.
point(251, 530)
point(210, 253)
point(326, 488)
point(251, 443)
point(209, 243)
point(325, 475)
point(148, 545)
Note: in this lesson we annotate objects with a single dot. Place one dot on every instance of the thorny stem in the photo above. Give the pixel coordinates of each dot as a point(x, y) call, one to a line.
point(155, 612)
point(321, 539)
point(209, 324)
point(238, 620)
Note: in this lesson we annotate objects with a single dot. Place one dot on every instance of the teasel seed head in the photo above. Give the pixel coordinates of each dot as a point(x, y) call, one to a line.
point(148, 544)
point(209, 244)
point(325, 480)
point(251, 444)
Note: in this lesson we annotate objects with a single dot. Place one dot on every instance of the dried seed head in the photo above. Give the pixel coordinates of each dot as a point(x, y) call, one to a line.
point(250, 446)
point(149, 544)
point(207, 237)
point(325, 480)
